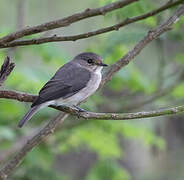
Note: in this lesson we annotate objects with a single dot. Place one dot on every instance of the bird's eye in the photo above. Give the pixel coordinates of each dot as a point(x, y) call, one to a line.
point(90, 61)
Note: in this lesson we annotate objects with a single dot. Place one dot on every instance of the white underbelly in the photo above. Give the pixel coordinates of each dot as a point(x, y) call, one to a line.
point(91, 87)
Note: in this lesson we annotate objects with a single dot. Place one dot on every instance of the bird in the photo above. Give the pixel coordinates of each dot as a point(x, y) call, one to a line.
point(72, 83)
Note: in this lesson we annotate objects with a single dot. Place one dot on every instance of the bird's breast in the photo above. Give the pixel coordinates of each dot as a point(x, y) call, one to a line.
point(92, 85)
point(84, 93)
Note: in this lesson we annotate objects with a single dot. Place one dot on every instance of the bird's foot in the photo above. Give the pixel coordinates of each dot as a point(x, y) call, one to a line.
point(80, 110)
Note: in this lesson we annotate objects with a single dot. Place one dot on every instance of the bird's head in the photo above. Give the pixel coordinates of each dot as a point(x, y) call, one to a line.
point(90, 61)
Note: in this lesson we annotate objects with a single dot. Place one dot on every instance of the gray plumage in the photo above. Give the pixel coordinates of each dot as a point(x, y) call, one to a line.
point(71, 84)
point(67, 81)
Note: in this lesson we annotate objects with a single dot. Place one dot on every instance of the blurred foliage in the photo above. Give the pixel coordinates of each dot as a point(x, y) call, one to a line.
point(36, 172)
point(107, 170)
point(139, 80)
point(105, 140)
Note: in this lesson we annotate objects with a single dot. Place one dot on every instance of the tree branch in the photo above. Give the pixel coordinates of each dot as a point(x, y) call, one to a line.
point(151, 35)
point(115, 27)
point(35, 140)
point(5, 70)
point(51, 126)
point(104, 116)
point(19, 96)
point(65, 21)
point(124, 116)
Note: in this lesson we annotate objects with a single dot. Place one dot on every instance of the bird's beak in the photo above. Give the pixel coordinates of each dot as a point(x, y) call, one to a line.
point(102, 64)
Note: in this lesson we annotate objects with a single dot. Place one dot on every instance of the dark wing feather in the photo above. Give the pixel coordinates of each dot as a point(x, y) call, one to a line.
point(67, 81)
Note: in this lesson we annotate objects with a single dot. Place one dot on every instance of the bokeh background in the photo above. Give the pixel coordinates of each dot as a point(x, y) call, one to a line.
point(151, 148)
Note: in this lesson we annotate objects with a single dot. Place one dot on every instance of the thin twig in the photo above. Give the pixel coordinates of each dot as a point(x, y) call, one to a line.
point(5, 70)
point(124, 116)
point(115, 27)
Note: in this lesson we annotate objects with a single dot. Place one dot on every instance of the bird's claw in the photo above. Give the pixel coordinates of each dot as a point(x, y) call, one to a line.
point(80, 110)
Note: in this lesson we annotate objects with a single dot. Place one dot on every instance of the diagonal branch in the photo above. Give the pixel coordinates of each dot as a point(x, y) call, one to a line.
point(151, 35)
point(65, 21)
point(5, 70)
point(51, 126)
point(115, 27)
point(47, 130)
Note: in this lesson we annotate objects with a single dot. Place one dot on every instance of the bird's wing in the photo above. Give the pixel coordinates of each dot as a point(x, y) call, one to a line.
point(67, 81)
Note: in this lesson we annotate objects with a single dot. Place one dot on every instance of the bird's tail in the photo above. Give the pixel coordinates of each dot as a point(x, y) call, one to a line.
point(28, 115)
